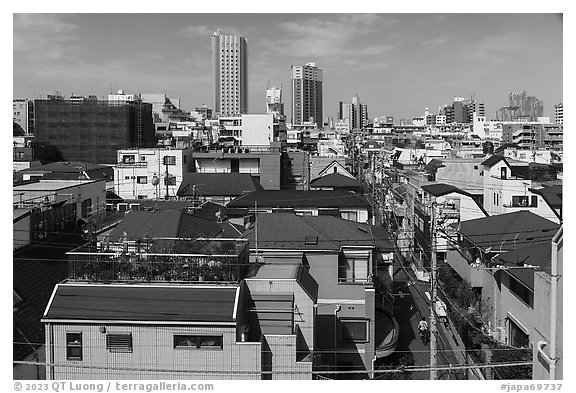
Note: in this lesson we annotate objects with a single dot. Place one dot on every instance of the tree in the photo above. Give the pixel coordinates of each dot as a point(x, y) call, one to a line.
point(488, 147)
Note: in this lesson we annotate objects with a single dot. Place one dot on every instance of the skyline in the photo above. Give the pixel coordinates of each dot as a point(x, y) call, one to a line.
point(398, 64)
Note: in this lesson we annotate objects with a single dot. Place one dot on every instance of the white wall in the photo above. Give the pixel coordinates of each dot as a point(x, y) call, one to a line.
point(257, 130)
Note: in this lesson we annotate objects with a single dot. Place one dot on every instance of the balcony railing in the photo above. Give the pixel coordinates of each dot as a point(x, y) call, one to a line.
point(163, 260)
point(132, 164)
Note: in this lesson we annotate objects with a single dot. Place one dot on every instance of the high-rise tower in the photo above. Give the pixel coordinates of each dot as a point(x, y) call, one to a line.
point(306, 94)
point(230, 73)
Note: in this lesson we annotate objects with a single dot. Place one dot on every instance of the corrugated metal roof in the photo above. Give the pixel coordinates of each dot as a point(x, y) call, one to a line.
point(143, 303)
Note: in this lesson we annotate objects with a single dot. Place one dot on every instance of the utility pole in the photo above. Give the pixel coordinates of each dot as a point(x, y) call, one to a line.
point(167, 178)
point(433, 327)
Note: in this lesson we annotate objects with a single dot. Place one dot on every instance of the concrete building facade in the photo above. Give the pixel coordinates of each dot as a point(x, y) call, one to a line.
point(306, 94)
point(230, 73)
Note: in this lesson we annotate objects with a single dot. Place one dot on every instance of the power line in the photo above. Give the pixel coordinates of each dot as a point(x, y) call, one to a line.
point(289, 372)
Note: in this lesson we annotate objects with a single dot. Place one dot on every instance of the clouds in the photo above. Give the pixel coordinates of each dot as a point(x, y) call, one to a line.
point(347, 37)
point(497, 49)
point(44, 36)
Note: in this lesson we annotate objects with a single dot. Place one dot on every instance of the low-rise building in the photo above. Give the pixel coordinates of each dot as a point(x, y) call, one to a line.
point(339, 203)
point(151, 173)
point(352, 264)
point(218, 188)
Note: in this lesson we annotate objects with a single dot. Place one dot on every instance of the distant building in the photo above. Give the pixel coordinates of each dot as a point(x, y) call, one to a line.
point(230, 72)
point(23, 114)
point(306, 94)
point(274, 101)
point(91, 130)
point(521, 107)
point(559, 113)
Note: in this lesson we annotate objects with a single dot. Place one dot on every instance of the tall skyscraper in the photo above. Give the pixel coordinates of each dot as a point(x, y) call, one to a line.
point(230, 62)
point(306, 94)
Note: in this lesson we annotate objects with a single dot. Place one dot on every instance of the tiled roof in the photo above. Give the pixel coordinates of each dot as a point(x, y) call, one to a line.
point(493, 160)
point(300, 199)
point(143, 303)
point(72, 170)
point(220, 184)
point(289, 231)
point(508, 231)
point(335, 180)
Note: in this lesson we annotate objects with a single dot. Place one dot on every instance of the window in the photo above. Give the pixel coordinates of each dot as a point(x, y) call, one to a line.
point(73, 346)
point(119, 343)
point(520, 201)
point(351, 215)
point(534, 202)
point(86, 207)
point(141, 179)
point(170, 181)
point(516, 336)
point(521, 291)
point(128, 159)
point(169, 160)
point(353, 269)
point(354, 330)
point(197, 341)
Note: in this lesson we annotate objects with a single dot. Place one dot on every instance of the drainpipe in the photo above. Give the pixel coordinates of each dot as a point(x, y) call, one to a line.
point(338, 307)
point(551, 359)
point(553, 300)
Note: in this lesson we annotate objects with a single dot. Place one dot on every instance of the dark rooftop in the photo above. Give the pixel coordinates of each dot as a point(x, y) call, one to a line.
point(315, 233)
point(493, 160)
point(164, 223)
point(297, 199)
point(508, 231)
point(142, 303)
point(440, 189)
point(335, 180)
point(538, 255)
point(221, 184)
point(551, 194)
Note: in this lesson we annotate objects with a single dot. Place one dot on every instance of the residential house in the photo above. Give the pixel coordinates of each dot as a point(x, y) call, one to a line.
point(320, 166)
point(88, 196)
point(67, 170)
point(171, 323)
point(340, 203)
point(264, 163)
point(507, 185)
point(548, 329)
point(218, 188)
point(352, 264)
point(498, 256)
point(336, 181)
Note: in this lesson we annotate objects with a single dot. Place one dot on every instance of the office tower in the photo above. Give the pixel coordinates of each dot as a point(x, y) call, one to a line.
point(475, 107)
point(306, 94)
point(274, 101)
point(559, 113)
point(230, 62)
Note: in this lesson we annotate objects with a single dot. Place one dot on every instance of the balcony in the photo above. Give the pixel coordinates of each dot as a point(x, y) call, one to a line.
point(132, 164)
point(162, 260)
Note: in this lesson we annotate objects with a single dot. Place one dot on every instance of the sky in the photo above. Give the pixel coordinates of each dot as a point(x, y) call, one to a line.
point(398, 64)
